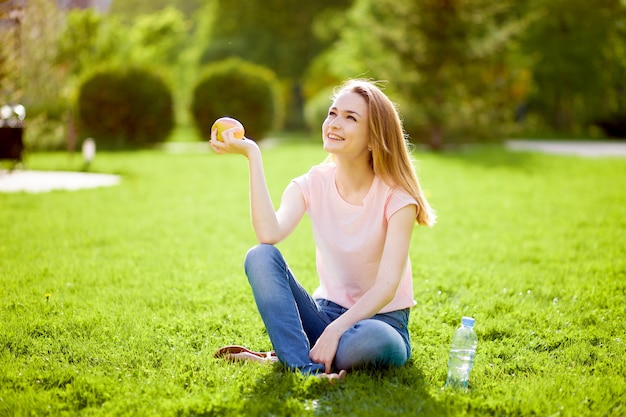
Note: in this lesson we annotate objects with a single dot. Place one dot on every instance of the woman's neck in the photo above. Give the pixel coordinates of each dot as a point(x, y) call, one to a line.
point(353, 180)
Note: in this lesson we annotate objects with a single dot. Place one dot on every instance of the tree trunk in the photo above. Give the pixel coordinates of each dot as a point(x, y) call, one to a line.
point(436, 137)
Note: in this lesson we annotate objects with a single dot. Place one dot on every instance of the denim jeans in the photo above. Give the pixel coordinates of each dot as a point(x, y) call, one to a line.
point(294, 320)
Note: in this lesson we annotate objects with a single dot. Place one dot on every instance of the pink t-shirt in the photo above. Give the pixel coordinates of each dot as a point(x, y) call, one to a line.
point(350, 238)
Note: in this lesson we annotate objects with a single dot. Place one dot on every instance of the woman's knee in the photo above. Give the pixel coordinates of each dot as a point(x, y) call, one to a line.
point(264, 264)
point(371, 343)
point(259, 256)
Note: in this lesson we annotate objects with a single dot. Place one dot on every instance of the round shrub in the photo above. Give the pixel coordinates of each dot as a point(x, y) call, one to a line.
point(125, 107)
point(247, 92)
point(316, 109)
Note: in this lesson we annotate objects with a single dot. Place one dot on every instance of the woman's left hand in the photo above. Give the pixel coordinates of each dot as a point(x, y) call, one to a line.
point(325, 348)
point(229, 144)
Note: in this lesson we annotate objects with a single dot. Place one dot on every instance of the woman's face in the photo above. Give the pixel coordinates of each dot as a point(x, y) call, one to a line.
point(346, 128)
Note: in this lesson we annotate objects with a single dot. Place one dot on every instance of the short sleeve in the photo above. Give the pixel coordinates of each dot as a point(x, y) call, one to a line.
point(396, 200)
point(304, 183)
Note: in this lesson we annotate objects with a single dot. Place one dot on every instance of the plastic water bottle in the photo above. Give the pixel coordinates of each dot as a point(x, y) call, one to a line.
point(462, 355)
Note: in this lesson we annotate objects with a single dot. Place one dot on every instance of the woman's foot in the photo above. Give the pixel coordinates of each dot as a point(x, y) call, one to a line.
point(240, 353)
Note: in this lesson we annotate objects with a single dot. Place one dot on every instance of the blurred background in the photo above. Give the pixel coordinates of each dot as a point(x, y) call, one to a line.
point(134, 73)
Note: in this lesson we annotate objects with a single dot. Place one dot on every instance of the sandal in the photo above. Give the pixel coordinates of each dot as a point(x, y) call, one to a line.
point(240, 353)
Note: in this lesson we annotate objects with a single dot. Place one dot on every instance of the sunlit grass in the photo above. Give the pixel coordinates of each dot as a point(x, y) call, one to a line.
point(114, 299)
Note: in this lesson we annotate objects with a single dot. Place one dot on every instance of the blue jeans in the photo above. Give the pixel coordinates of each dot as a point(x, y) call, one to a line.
point(294, 320)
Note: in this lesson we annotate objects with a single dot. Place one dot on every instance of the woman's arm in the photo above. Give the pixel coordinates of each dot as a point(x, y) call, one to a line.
point(392, 264)
point(269, 226)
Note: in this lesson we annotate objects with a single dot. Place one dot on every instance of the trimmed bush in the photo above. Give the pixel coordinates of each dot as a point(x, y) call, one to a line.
point(125, 107)
point(316, 109)
point(247, 92)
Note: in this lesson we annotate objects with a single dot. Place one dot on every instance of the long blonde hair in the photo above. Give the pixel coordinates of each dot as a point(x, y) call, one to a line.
point(391, 159)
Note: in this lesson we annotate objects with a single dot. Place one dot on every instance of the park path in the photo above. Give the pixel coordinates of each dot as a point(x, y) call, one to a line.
point(580, 148)
point(44, 181)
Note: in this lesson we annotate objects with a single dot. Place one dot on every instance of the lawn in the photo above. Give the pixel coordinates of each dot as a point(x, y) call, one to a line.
point(113, 299)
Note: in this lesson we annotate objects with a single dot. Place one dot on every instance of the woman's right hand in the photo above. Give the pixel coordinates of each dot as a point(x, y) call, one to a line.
point(230, 144)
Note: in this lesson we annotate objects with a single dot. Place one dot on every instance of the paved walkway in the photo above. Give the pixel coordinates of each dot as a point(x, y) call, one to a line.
point(579, 148)
point(44, 181)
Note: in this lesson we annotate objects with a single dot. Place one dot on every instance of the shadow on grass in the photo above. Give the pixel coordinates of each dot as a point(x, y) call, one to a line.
point(370, 392)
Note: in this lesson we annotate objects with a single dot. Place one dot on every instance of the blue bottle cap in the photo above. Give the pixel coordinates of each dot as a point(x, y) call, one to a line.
point(467, 321)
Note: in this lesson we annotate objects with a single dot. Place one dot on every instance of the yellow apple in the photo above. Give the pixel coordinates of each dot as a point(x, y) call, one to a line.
point(225, 123)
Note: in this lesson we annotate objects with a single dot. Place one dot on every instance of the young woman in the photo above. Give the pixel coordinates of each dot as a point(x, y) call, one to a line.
point(363, 203)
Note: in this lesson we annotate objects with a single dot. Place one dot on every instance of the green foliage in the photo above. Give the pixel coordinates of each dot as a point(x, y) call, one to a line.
point(125, 107)
point(273, 33)
point(446, 61)
point(45, 133)
point(459, 70)
point(91, 39)
point(9, 64)
point(142, 293)
point(88, 40)
point(157, 40)
point(236, 88)
point(579, 61)
point(131, 9)
point(4, 71)
point(277, 34)
point(42, 84)
point(316, 109)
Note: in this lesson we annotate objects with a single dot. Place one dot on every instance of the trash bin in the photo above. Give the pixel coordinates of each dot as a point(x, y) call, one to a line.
point(11, 132)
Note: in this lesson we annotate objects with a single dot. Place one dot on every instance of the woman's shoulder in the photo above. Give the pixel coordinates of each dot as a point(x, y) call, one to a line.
point(321, 172)
point(316, 175)
point(323, 169)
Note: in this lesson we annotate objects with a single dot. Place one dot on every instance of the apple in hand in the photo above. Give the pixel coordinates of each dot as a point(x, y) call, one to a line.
point(225, 123)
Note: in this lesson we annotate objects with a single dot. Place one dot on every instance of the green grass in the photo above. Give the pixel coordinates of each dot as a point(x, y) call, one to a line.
point(145, 281)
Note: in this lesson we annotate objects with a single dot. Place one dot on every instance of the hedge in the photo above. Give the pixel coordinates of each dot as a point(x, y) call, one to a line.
point(247, 92)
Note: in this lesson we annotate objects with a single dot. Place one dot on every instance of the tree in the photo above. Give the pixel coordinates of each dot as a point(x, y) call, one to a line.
point(159, 37)
point(90, 39)
point(276, 34)
point(579, 61)
point(43, 80)
point(159, 40)
point(131, 9)
point(11, 64)
point(446, 60)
